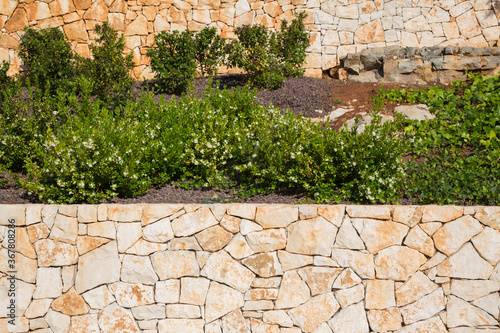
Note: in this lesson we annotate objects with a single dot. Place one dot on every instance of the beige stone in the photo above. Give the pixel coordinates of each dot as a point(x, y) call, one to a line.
point(379, 294)
point(85, 244)
point(214, 238)
point(57, 321)
point(247, 226)
point(86, 323)
point(452, 235)
point(319, 279)
point(267, 240)
point(68, 274)
point(149, 313)
point(97, 267)
point(333, 214)
point(33, 214)
point(471, 290)
point(22, 243)
point(8, 42)
point(431, 227)
point(243, 211)
point(317, 310)
point(82, 4)
point(277, 317)
point(49, 213)
point(185, 243)
point(361, 263)
point(441, 213)
point(222, 268)
point(114, 318)
point(291, 261)
point(235, 322)
point(434, 261)
point(159, 232)
point(433, 325)
point(487, 243)
point(255, 306)
point(378, 235)
point(105, 229)
point(465, 264)
point(23, 291)
point(230, 223)
point(180, 325)
point(272, 282)
point(70, 304)
point(264, 264)
point(125, 213)
point(244, 19)
point(424, 308)
point(156, 212)
point(49, 283)
point(37, 11)
point(24, 267)
point(167, 291)
point(409, 215)
point(161, 23)
point(272, 8)
point(350, 319)
point(16, 22)
point(307, 212)
point(293, 291)
point(384, 320)
point(191, 223)
point(350, 296)
point(119, 6)
point(38, 308)
point(415, 288)
point(238, 248)
point(461, 313)
point(373, 212)
point(315, 236)
point(145, 248)
point(137, 269)
point(468, 25)
point(417, 239)
point(130, 295)
point(183, 311)
point(175, 264)
point(221, 300)
point(348, 237)
point(194, 290)
point(7, 7)
point(489, 304)
point(398, 263)
point(65, 229)
point(98, 11)
point(489, 216)
point(98, 298)
point(242, 7)
point(53, 253)
point(272, 216)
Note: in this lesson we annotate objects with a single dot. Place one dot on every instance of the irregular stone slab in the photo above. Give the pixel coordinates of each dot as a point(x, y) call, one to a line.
point(22, 243)
point(25, 268)
point(255, 306)
point(323, 328)
point(13, 212)
point(409, 215)
point(145, 248)
point(487, 243)
point(267, 240)
point(293, 291)
point(319, 279)
point(471, 290)
point(314, 312)
point(127, 234)
point(238, 248)
point(247, 227)
point(272, 216)
point(49, 283)
point(105, 229)
point(158, 232)
point(58, 322)
point(33, 214)
point(53, 253)
point(489, 216)
point(378, 235)
point(65, 229)
point(219, 211)
point(124, 213)
point(415, 288)
point(398, 263)
point(114, 318)
point(451, 236)
point(264, 264)
point(149, 312)
point(130, 295)
point(87, 323)
point(384, 320)
point(361, 263)
point(23, 291)
point(138, 269)
point(433, 325)
point(156, 212)
point(49, 213)
point(415, 112)
point(235, 322)
point(98, 298)
point(424, 308)
point(185, 243)
point(441, 213)
point(273, 282)
point(71, 304)
point(222, 268)
point(379, 294)
point(465, 264)
point(87, 213)
point(417, 239)
point(430, 227)
point(38, 308)
point(347, 279)
point(231, 223)
point(277, 317)
point(167, 291)
point(350, 319)
point(221, 300)
point(434, 261)
point(490, 304)
point(461, 313)
point(183, 311)
point(350, 296)
point(243, 211)
point(37, 231)
point(194, 290)
point(333, 214)
point(175, 264)
point(214, 238)
point(260, 294)
point(97, 267)
point(213, 327)
point(373, 212)
point(348, 237)
point(85, 244)
point(191, 223)
point(315, 236)
point(307, 212)
point(292, 261)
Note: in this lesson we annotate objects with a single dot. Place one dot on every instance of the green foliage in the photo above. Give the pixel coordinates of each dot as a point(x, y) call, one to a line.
point(47, 55)
point(293, 42)
point(209, 50)
point(109, 69)
point(173, 60)
point(5, 80)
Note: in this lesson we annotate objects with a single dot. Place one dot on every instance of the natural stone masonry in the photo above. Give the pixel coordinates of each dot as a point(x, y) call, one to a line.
point(247, 268)
point(336, 27)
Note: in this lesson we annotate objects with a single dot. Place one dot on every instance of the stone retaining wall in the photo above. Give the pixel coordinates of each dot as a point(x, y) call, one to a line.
point(336, 27)
point(250, 268)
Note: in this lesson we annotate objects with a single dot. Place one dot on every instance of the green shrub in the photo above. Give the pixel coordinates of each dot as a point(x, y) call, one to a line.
point(5, 80)
point(209, 50)
point(293, 42)
point(48, 58)
point(173, 60)
point(109, 69)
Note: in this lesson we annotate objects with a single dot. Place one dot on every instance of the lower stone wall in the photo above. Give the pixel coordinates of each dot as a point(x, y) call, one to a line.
point(249, 268)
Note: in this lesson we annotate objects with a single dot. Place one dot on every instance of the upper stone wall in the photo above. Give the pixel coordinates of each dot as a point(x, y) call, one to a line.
point(336, 27)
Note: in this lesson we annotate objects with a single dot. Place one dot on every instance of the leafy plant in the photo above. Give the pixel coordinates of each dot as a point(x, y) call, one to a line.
point(173, 60)
point(48, 58)
point(5, 80)
point(293, 42)
point(209, 50)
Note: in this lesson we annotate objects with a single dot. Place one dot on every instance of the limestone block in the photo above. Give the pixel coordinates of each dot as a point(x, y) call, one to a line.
point(293, 291)
point(167, 291)
point(449, 238)
point(379, 294)
point(82, 4)
point(361, 263)
point(264, 264)
point(417, 239)
point(183, 311)
point(272, 282)
point(238, 248)
point(26, 268)
point(441, 213)
point(489, 303)
point(130, 295)
point(378, 235)
point(398, 263)
point(433, 325)
point(159, 232)
point(57, 321)
point(70, 304)
point(317, 310)
point(277, 317)
point(65, 229)
point(49, 283)
point(384, 320)
point(22, 243)
point(424, 308)
point(352, 318)
point(241, 7)
point(191, 223)
point(138, 269)
point(487, 243)
point(461, 313)
point(7, 7)
point(415, 288)
point(221, 300)
point(333, 214)
point(272, 8)
point(272, 216)
point(315, 236)
point(244, 211)
point(471, 290)
point(145, 248)
point(267, 240)
point(465, 264)
point(214, 238)
point(222, 268)
point(460, 8)
point(319, 279)
point(489, 216)
point(350, 296)
point(175, 264)
point(451, 30)
point(348, 237)
point(468, 25)
point(194, 290)
point(53, 253)
point(98, 298)
point(85, 323)
point(373, 212)
point(235, 322)
point(38, 308)
point(125, 213)
point(291, 261)
point(117, 21)
point(114, 318)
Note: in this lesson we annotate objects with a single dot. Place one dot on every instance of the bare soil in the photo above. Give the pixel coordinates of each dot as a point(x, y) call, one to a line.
point(310, 97)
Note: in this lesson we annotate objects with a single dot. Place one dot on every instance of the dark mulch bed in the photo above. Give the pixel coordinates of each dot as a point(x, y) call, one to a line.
point(307, 96)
